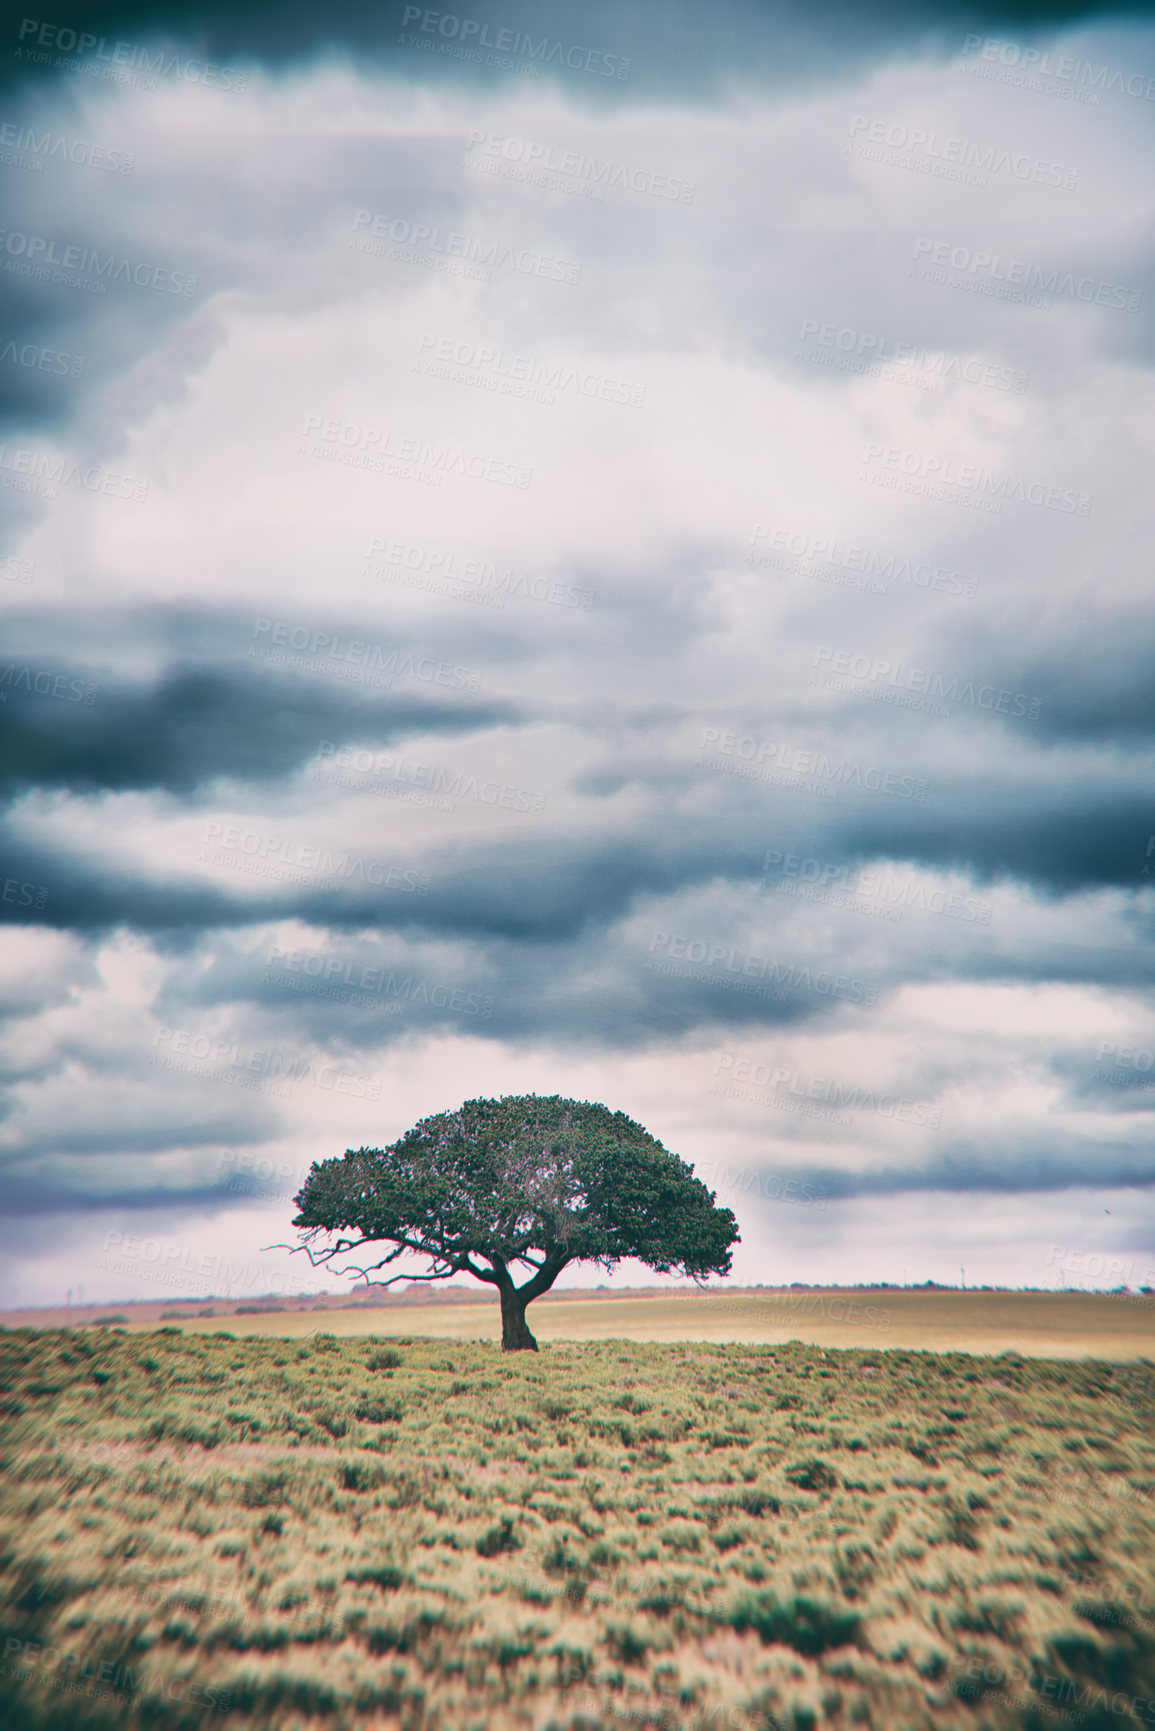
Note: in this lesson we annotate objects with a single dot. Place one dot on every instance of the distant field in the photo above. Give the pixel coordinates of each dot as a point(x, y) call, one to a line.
point(1037, 1324)
point(356, 1535)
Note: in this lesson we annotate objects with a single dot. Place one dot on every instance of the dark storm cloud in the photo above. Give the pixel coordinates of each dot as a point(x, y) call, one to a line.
point(683, 46)
point(1099, 695)
point(1018, 820)
point(63, 351)
point(1058, 838)
point(1022, 1163)
point(32, 1196)
point(91, 898)
point(64, 724)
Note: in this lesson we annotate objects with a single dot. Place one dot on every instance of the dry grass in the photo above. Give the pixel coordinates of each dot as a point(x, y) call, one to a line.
point(1043, 1324)
point(428, 1534)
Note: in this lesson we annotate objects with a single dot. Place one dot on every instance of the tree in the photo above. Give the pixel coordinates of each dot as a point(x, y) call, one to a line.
point(526, 1180)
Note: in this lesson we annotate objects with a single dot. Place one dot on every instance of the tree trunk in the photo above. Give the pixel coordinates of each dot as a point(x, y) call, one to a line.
point(515, 1336)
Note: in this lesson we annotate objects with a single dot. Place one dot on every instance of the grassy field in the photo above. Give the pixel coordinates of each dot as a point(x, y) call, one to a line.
point(418, 1534)
point(1038, 1324)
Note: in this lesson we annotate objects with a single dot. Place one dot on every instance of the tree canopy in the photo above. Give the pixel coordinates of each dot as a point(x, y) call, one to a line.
point(527, 1180)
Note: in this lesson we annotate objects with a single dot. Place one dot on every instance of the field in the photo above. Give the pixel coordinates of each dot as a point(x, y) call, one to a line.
point(417, 1533)
point(1038, 1324)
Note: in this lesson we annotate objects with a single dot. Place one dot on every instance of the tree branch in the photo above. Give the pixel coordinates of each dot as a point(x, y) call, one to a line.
point(546, 1275)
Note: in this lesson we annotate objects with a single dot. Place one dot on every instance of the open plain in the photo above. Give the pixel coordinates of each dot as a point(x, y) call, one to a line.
point(383, 1532)
point(1036, 1324)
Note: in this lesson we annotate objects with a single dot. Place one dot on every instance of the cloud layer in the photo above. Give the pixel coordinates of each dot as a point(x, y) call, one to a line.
point(549, 580)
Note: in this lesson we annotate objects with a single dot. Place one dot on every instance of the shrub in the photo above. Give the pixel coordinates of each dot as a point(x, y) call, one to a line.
point(361, 1475)
point(378, 1412)
point(498, 1539)
point(807, 1625)
point(812, 1475)
point(387, 1576)
point(629, 1645)
point(758, 1502)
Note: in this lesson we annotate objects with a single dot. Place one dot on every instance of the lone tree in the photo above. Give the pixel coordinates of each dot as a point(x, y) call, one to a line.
point(530, 1180)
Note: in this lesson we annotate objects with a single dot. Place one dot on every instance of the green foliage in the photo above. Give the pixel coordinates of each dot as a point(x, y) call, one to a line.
point(812, 1475)
point(804, 1624)
point(387, 1576)
point(498, 1539)
point(378, 1412)
point(519, 1178)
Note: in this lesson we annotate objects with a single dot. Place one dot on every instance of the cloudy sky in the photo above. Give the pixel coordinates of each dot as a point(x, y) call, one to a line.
point(598, 551)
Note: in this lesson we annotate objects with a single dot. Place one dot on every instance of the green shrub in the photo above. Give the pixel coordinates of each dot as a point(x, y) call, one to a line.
point(758, 1502)
point(812, 1475)
point(384, 1359)
point(378, 1412)
point(361, 1475)
point(807, 1625)
point(498, 1539)
point(387, 1576)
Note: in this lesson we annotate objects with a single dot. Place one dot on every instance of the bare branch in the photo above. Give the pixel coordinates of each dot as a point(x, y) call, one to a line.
point(364, 1273)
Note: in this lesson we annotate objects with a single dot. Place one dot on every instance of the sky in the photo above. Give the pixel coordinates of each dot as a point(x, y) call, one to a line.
point(599, 551)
